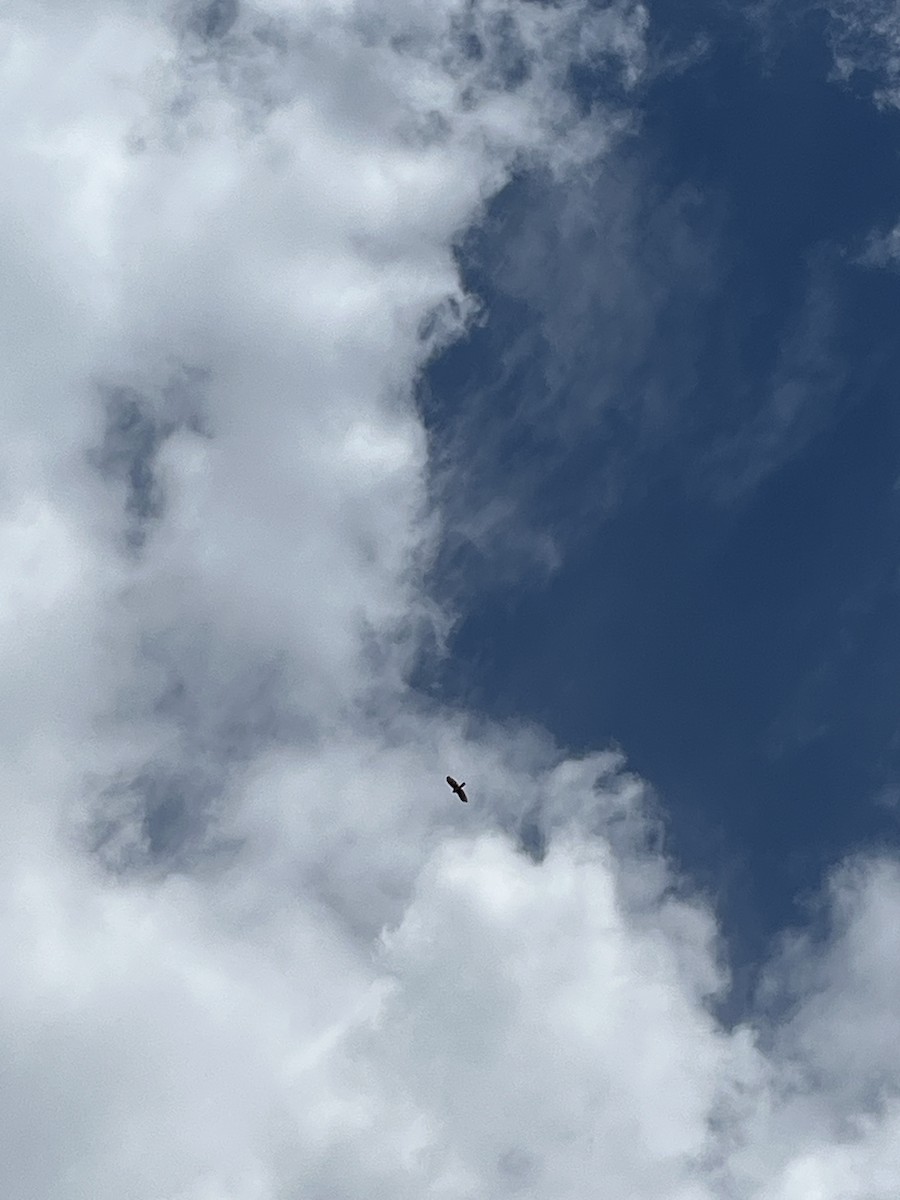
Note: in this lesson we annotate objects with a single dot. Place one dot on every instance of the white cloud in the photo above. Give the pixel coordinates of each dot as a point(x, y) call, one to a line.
point(252, 948)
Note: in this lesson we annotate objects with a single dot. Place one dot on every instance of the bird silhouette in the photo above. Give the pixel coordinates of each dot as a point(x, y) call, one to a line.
point(458, 788)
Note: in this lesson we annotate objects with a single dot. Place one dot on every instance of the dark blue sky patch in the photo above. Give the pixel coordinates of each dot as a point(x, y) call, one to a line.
point(213, 19)
point(685, 379)
point(136, 426)
point(155, 822)
point(126, 454)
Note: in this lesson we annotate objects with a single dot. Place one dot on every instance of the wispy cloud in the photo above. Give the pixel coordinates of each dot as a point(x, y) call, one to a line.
point(585, 358)
point(798, 398)
point(881, 249)
point(865, 40)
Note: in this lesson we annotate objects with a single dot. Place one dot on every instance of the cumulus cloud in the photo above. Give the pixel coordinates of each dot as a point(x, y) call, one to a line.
point(251, 947)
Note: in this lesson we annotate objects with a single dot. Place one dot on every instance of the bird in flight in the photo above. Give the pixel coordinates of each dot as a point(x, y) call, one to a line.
point(458, 788)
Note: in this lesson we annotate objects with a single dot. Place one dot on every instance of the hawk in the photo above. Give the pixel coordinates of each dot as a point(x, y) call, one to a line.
point(458, 788)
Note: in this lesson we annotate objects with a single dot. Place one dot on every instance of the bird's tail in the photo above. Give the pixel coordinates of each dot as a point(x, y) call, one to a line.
point(463, 784)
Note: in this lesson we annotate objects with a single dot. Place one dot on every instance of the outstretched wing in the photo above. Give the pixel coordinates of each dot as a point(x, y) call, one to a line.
point(461, 792)
point(452, 782)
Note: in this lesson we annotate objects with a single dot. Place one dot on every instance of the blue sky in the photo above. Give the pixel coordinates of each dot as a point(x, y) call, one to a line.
point(717, 461)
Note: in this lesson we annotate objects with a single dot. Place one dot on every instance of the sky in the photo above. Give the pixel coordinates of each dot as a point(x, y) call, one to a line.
point(486, 387)
point(719, 491)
